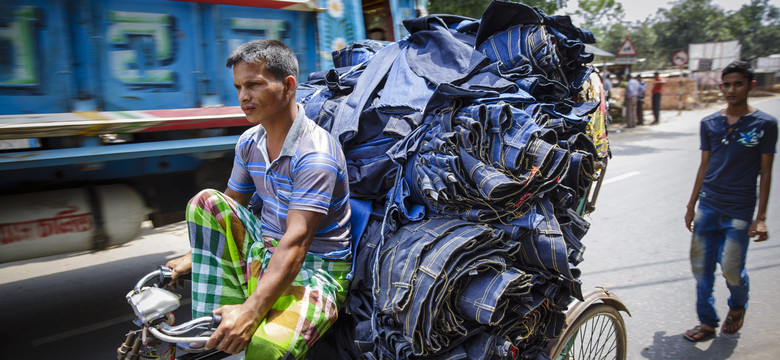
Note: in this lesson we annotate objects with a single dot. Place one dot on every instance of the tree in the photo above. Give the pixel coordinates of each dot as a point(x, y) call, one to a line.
point(599, 15)
point(686, 22)
point(757, 27)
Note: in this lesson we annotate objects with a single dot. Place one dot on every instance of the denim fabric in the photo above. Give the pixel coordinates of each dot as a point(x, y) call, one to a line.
point(467, 136)
point(356, 53)
point(411, 263)
point(481, 299)
point(426, 22)
point(371, 171)
point(524, 45)
point(324, 91)
point(364, 91)
point(490, 78)
point(547, 248)
point(430, 321)
point(437, 56)
point(501, 15)
point(574, 228)
point(719, 239)
point(358, 302)
point(429, 271)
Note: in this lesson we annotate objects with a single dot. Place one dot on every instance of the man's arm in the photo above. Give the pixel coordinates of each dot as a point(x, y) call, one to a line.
point(691, 208)
point(239, 322)
point(758, 227)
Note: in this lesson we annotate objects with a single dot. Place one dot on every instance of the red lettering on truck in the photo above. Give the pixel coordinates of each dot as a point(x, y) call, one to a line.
point(41, 228)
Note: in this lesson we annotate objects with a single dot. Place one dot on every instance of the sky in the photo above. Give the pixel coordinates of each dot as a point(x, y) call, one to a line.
point(641, 9)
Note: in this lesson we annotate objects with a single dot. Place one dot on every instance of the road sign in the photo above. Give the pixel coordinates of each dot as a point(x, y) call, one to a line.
point(680, 58)
point(625, 60)
point(626, 49)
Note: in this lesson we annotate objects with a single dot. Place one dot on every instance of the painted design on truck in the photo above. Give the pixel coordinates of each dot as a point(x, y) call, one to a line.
point(142, 43)
point(17, 48)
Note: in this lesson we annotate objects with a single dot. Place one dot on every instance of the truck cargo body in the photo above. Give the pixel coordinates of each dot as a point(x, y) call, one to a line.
point(136, 94)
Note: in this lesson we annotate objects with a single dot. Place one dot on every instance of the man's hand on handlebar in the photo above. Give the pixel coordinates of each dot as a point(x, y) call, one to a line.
point(180, 266)
point(235, 330)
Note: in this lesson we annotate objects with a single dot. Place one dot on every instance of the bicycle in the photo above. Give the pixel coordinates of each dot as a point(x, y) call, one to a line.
point(158, 337)
point(594, 329)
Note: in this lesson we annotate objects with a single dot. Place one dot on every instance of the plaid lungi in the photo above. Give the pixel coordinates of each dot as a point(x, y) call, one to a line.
point(227, 262)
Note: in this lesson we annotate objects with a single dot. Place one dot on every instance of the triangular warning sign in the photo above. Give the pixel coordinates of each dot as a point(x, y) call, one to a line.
point(627, 49)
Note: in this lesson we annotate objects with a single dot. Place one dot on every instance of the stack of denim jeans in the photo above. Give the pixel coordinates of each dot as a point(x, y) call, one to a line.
point(468, 136)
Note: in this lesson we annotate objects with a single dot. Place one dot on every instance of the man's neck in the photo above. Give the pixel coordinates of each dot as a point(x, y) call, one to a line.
point(276, 131)
point(735, 111)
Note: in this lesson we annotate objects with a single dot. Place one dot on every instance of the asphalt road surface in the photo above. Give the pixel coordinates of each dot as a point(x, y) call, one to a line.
point(73, 306)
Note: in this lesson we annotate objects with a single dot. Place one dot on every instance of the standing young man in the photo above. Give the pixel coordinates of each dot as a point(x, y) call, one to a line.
point(658, 89)
point(277, 281)
point(738, 145)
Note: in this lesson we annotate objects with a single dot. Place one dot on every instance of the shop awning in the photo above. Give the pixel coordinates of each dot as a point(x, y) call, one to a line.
point(598, 52)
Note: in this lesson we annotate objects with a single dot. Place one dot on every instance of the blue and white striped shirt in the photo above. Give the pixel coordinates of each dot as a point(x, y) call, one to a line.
point(309, 174)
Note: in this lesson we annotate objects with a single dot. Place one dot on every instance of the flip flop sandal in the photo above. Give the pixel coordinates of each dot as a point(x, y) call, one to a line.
point(733, 322)
point(698, 334)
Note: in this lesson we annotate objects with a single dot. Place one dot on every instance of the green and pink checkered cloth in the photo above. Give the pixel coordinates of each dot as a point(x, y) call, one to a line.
point(227, 261)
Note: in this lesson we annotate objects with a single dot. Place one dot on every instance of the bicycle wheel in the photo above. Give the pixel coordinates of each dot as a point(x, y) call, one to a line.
point(599, 333)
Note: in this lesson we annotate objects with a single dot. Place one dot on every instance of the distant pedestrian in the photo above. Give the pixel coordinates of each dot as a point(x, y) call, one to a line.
point(608, 86)
point(737, 144)
point(630, 97)
point(658, 88)
point(640, 102)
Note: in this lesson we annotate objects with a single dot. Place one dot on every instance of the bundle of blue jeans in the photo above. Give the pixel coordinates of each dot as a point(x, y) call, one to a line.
point(468, 137)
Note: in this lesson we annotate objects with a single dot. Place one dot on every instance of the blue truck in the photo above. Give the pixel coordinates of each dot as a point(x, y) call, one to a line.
point(116, 112)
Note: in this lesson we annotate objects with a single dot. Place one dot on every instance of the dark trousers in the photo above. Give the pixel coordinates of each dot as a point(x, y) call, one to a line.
point(640, 104)
point(657, 107)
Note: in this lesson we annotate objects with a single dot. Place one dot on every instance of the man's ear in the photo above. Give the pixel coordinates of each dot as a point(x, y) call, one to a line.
point(291, 85)
point(752, 85)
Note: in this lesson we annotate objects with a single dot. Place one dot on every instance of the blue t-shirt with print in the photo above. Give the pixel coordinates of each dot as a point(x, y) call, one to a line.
point(735, 161)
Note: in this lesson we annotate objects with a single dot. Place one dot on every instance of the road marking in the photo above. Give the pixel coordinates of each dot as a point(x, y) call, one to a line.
point(621, 177)
point(83, 330)
point(89, 328)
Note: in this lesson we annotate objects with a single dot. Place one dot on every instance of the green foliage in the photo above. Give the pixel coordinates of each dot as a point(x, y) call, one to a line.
point(599, 15)
point(689, 21)
point(757, 27)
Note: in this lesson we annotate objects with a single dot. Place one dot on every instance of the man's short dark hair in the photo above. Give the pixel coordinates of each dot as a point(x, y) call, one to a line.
point(277, 57)
point(741, 67)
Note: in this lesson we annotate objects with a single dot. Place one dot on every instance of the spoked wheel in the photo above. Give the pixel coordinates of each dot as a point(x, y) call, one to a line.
point(598, 334)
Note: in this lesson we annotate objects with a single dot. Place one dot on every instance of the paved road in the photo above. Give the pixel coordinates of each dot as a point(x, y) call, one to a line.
point(73, 306)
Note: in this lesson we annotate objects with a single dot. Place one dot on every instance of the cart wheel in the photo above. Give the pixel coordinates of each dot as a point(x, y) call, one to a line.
point(599, 333)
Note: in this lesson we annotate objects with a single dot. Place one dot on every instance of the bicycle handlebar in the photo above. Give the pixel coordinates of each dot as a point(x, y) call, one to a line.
point(180, 333)
point(163, 274)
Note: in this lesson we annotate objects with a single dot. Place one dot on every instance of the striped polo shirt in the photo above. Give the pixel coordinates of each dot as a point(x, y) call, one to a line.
point(309, 174)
